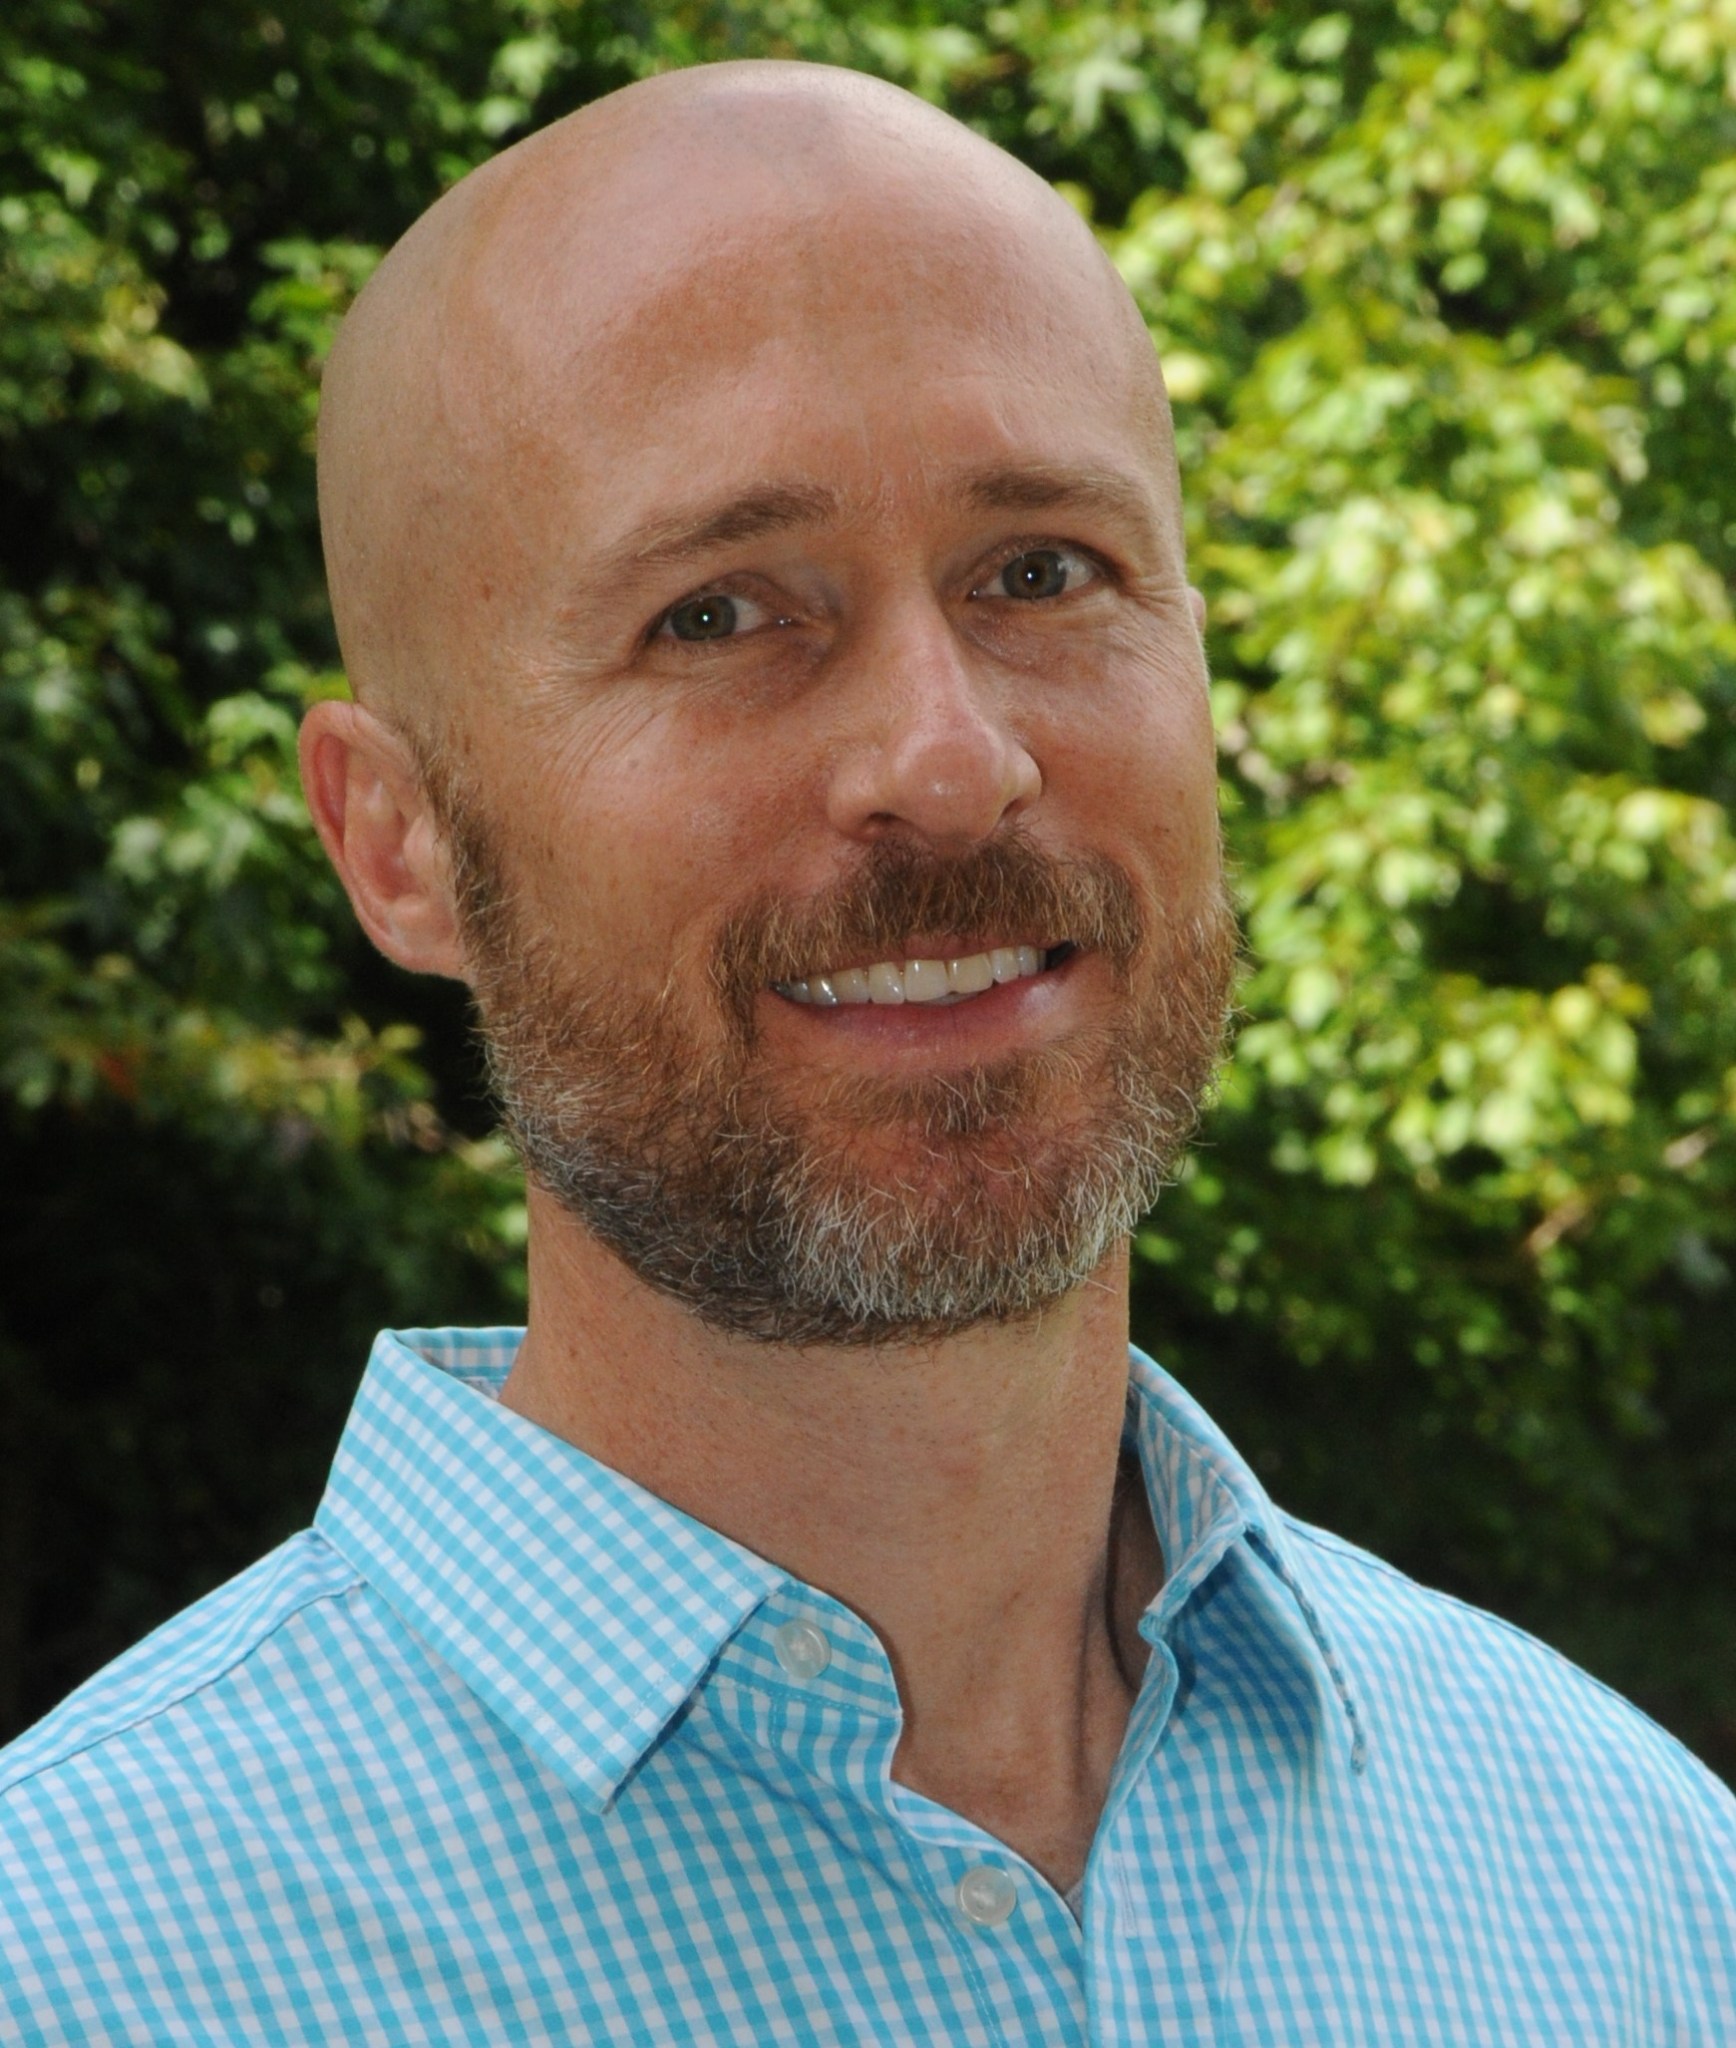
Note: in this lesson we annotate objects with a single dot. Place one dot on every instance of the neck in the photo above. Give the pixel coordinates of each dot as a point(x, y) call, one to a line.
point(961, 1496)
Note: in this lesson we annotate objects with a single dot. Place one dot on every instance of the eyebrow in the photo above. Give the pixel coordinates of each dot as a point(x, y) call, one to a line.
point(779, 508)
point(772, 508)
point(1039, 487)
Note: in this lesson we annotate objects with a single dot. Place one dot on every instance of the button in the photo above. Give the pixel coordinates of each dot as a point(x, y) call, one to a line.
point(801, 1649)
point(987, 1896)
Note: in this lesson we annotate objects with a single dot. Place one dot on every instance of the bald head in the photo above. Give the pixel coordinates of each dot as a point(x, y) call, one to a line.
point(570, 289)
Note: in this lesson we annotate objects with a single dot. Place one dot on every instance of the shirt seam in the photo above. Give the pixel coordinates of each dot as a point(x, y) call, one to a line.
point(785, 1694)
point(190, 1691)
point(1354, 1554)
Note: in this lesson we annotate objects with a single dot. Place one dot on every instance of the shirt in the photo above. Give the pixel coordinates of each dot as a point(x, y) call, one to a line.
point(506, 1750)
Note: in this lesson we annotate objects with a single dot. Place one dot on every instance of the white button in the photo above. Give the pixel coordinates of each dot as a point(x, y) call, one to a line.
point(801, 1649)
point(987, 1896)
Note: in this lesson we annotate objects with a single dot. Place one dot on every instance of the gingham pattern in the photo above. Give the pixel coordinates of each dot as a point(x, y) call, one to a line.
point(501, 1752)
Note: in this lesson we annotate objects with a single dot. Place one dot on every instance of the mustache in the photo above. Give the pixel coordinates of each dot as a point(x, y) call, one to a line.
point(1008, 886)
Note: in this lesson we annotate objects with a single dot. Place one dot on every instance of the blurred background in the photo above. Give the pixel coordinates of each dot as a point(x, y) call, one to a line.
point(1447, 296)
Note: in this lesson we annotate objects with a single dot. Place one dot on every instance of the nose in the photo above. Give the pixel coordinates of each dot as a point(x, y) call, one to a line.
point(930, 747)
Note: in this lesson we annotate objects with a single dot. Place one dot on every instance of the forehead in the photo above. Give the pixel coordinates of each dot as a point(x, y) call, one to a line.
point(879, 342)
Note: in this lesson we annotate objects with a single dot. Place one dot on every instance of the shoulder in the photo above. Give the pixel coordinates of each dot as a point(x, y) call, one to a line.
point(192, 1799)
point(1481, 1703)
point(206, 1645)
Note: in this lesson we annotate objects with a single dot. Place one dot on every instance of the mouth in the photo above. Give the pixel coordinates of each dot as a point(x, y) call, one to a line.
point(957, 978)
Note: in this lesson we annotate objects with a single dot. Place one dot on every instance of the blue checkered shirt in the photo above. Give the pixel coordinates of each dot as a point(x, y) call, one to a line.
point(506, 1750)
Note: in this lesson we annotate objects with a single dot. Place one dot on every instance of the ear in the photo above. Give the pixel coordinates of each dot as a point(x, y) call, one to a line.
point(1197, 599)
point(380, 834)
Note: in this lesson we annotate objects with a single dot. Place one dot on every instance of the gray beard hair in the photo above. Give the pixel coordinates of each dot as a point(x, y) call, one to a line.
point(763, 1221)
point(768, 1235)
point(768, 1231)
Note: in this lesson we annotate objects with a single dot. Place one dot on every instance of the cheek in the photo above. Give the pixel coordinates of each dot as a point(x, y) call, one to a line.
point(651, 829)
point(1135, 761)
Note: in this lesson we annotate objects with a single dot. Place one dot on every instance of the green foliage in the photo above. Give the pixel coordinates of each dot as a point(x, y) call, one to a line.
point(1447, 296)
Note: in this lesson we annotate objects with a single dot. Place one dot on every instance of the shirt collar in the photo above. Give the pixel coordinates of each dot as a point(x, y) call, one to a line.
point(581, 1609)
point(585, 1611)
point(1205, 1501)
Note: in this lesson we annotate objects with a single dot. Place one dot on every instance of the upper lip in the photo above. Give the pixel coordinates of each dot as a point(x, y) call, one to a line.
point(921, 948)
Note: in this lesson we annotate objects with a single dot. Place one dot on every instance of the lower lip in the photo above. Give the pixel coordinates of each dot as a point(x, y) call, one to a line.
point(1012, 1011)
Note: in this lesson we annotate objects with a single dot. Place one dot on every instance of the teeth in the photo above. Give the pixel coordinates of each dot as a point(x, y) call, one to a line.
point(916, 981)
point(885, 984)
point(925, 981)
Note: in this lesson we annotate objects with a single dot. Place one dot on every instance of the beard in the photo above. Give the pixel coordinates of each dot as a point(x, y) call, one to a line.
point(850, 1210)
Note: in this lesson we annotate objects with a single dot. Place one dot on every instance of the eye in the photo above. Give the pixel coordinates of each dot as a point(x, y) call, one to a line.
point(1038, 573)
point(714, 615)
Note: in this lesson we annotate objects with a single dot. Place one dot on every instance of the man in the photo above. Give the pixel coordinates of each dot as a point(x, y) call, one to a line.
point(755, 542)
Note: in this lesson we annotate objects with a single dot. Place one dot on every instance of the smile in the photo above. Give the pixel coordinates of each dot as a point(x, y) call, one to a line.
point(924, 981)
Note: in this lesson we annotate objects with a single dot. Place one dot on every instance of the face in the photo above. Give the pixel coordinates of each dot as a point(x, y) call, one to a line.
point(834, 802)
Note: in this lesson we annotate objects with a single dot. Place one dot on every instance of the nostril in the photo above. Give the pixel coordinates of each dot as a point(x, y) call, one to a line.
point(941, 766)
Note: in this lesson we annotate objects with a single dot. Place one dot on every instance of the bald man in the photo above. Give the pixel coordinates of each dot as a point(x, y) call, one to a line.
point(755, 542)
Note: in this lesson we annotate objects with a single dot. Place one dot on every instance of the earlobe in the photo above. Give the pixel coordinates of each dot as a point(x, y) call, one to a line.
point(375, 823)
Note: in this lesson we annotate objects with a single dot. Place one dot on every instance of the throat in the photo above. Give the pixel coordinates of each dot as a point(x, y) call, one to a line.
point(1040, 1787)
point(1042, 1798)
